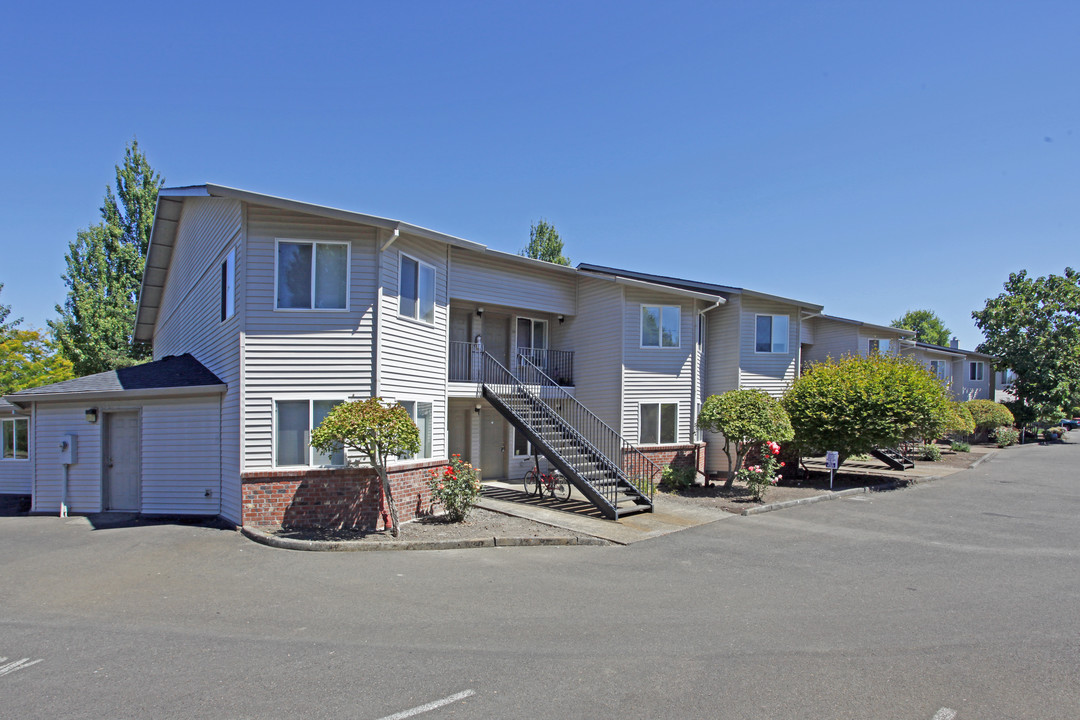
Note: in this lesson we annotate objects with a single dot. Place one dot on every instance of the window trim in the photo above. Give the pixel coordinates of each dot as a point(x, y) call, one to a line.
point(310, 450)
point(941, 373)
point(314, 256)
point(435, 289)
point(659, 422)
point(870, 350)
point(660, 339)
point(772, 334)
point(972, 364)
point(228, 285)
point(12, 421)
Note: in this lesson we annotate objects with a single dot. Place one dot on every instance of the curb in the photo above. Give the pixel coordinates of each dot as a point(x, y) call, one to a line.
point(264, 538)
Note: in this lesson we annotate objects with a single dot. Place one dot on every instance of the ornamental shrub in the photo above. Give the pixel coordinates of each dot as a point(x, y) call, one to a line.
point(759, 478)
point(746, 418)
point(989, 414)
point(960, 420)
point(960, 447)
point(456, 488)
point(930, 453)
point(677, 477)
point(1006, 436)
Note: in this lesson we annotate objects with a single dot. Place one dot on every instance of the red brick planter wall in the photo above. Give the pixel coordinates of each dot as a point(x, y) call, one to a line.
point(335, 498)
point(685, 455)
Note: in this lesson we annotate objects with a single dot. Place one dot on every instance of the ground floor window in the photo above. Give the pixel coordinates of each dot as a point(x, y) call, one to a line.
point(658, 423)
point(938, 368)
point(976, 371)
point(293, 421)
point(522, 446)
point(420, 412)
point(15, 439)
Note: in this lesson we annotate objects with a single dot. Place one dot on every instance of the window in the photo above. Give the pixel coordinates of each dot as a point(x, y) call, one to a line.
point(15, 439)
point(880, 347)
point(312, 275)
point(293, 422)
point(228, 294)
point(938, 368)
point(660, 326)
point(522, 446)
point(420, 412)
point(658, 423)
point(976, 371)
point(772, 334)
point(416, 290)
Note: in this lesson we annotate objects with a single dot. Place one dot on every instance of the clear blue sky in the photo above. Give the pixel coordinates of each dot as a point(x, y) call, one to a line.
point(869, 156)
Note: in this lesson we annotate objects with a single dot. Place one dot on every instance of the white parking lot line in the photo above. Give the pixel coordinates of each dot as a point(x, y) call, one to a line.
point(10, 667)
point(944, 714)
point(429, 706)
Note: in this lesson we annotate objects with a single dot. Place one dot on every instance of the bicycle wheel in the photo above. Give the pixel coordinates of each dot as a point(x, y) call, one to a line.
point(560, 486)
point(532, 485)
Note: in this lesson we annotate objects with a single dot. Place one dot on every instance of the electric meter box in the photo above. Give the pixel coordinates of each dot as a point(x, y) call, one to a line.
point(69, 450)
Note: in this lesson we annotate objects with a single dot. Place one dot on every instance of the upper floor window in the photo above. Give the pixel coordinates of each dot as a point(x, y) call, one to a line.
point(228, 288)
point(658, 423)
point(879, 346)
point(420, 412)
point(416, 290)
point(771, 334)
point(938, 367)
point(660, 325)
point(312, 275)
point(15, 439)
point(975, 371)
point(293, 422)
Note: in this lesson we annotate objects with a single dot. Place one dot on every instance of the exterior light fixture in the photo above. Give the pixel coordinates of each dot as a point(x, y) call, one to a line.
point(479, 312)
point(91, 415)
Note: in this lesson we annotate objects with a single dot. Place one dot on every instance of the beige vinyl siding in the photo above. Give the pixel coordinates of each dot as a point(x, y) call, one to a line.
point(657, 375)
point(301, 354)
point(181, 456)
point(596, 336)
point(482, 278)
point(412, 353)
point(51, 423)
point(190, 320)
point(831, 340)
point(771, 372)
point(975, 389)
point(16, 476)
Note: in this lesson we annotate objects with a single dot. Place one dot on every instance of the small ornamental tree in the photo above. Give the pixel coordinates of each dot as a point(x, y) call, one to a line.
point(746, 418)
point(373, 430)
point(856, 404)
point(989, 415)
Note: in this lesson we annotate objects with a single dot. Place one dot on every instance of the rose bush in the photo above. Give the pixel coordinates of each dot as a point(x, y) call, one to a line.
point(455, 488)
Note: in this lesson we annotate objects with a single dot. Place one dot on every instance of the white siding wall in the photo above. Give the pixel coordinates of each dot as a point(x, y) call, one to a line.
point(16, 475)
point(974, 389)
point(413, 354)
point(301, 354)
point(771, 372)
point(595, 334)
point(190, 318)
point(84, 480)
point(722, 340)
point(181, 456)
point(486, 279)
point(657, 374)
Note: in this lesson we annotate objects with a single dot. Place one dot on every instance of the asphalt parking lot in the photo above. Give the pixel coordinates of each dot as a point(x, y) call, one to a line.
point(955, 598)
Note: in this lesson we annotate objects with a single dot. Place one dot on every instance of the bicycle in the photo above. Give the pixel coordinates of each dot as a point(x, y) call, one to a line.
point(554, 484)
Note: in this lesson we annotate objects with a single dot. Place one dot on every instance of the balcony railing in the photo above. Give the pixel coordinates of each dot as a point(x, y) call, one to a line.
point(466, 362)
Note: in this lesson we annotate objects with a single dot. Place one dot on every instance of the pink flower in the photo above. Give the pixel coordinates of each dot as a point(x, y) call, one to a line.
point(441, 486)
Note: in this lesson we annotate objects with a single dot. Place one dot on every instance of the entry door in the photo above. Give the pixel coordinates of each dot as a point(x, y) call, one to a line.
point(492, 444)
point(497, 337)
point(120, 477)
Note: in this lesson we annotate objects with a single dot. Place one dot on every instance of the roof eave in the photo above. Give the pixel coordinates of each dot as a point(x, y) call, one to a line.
point(24, 401)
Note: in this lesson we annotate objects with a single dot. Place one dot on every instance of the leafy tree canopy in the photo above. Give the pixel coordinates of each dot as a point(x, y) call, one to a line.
point(928, 327)
point(6, 326)
point(373, 431)
point(95, 330)
point(545, 244)
point(856, 404)
point(746, 418)
point(1033, 328)
point(28, 359)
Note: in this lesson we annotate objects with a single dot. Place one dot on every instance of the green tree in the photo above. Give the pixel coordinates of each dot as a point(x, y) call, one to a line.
point(545, 244)
point(855, 404)
point(374, 432)
point(95, 330)
point(28, 359)
point(746, 418)
point(928, 327)
point(6, 326)
point(1033, 328)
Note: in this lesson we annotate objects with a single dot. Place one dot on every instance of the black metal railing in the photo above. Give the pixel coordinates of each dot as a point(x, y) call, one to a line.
point(556, 364)
point(637, 468)
point(464, 362)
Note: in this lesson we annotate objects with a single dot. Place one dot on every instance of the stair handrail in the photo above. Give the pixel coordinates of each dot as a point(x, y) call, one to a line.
point(621, 444)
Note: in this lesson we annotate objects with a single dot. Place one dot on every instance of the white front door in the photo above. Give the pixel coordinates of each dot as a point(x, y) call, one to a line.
point(122, 463)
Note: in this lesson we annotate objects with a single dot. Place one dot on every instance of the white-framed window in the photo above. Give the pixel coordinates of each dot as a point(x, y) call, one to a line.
point(420, 412)
point(416, 290)
point(939, 368)
point(771, 334)
point(660, 326)
point(975, 371)
point(658, 423)
point(879, 346)
point(522, 446)
point(293, 422)
point(312, 275)
point(228, 285)
point(15, 439)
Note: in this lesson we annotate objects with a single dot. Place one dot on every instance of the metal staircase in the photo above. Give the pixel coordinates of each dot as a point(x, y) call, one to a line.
point(614, 475)
point(893, 458)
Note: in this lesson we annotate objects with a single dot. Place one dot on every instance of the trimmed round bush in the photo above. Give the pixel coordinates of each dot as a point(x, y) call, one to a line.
point(989, 415)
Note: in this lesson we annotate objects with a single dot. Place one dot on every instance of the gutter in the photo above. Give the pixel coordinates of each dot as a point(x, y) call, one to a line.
point(142, 393)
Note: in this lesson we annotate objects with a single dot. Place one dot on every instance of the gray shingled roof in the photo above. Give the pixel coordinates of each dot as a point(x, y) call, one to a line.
point(175, 371)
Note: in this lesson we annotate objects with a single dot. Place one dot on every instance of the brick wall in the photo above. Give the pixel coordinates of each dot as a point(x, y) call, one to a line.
point(335, 498)
point(685, 455)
